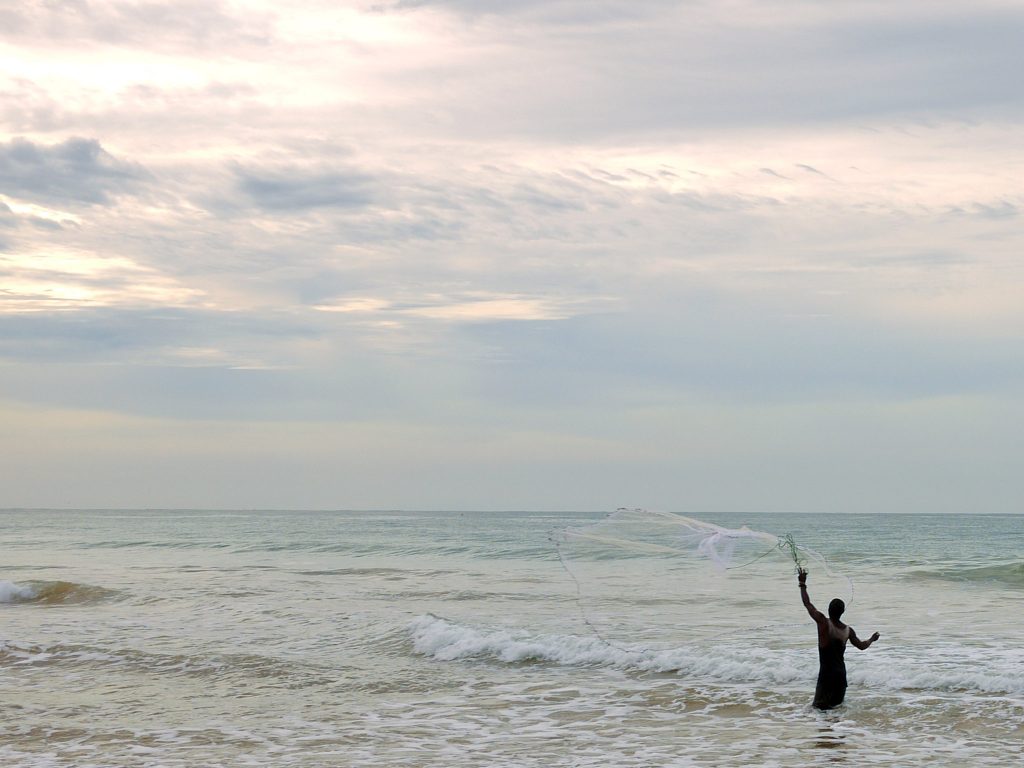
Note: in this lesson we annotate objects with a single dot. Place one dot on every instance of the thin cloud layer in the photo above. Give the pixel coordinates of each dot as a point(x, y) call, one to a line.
point(183, 24)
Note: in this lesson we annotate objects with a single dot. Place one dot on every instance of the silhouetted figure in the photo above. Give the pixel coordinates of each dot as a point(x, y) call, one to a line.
point(832, 637)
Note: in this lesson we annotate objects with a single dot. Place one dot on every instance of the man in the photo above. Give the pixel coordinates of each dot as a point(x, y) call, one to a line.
point(832, 637)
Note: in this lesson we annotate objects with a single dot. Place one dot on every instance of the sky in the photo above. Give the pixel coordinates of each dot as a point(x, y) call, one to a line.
point(715, 255)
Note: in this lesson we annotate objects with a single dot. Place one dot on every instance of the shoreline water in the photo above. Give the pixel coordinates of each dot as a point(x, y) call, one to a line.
point(151, 638)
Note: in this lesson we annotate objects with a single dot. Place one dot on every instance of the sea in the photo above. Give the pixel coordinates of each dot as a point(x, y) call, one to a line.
point(296, 638)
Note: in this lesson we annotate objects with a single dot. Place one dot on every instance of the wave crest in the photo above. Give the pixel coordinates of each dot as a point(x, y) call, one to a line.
point(52, 593)
point(1011, 574)
point(447, 641)
point(917, 669)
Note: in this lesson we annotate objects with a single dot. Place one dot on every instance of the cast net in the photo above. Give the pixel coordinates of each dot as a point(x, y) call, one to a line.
point(658, 579)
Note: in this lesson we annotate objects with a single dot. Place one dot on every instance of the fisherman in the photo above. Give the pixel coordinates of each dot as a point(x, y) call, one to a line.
point(832, 637)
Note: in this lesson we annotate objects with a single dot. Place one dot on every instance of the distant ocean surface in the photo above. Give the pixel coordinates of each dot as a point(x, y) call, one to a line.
point(210, 638)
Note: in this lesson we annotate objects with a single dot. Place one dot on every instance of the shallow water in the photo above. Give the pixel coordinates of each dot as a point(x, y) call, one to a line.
point(169, 638)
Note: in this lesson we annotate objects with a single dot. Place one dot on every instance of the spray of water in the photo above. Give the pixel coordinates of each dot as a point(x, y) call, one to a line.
point(684, 563)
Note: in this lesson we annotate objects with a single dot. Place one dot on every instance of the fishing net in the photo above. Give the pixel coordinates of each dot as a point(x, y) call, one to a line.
point(658, 579)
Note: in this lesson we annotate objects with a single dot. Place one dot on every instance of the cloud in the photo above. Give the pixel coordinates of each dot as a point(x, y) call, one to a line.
point(562, 12)
point(737, 353)
point(294, 189)
point(809, 169)
point(77, 170)
point(469, 307)
point(685, 68)
point(998, 209)
point(185, 337)
point(174, 25)
point(55, 279)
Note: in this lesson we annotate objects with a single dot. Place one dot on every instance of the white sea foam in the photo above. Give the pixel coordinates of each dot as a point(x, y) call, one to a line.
point(15, 593)
point(990, 670)
point(448, 641)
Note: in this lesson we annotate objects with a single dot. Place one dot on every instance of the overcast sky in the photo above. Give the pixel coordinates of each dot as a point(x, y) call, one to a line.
point(757, 255)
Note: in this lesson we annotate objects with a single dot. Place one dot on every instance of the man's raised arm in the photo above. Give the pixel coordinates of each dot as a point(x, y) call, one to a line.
point(813, 612)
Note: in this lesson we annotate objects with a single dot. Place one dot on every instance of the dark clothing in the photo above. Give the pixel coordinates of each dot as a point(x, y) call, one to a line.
point(833, 636)
point(831, 688)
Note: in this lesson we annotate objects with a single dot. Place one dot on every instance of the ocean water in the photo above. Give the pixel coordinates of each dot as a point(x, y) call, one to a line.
point(209, 638)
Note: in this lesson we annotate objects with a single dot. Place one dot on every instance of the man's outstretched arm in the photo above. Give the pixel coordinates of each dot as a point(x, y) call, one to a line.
point(813, 612)
point(862, 644)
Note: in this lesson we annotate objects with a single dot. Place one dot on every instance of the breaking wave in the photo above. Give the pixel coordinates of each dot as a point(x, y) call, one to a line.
point(52, 593)
point(444, 640)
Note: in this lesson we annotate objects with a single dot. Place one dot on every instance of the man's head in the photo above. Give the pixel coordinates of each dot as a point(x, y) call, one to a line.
point(836, 608)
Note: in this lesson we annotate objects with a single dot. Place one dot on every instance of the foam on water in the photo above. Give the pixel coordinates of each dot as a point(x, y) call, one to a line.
point(248, 667)
point(447, 641)
point(16, 593)
point(937, 669)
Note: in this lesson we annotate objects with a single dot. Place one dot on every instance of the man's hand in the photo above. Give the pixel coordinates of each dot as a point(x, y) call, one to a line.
point(801, 577)
point(875, 637)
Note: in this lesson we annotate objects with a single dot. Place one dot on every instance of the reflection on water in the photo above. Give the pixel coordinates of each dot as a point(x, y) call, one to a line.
point(835, 742)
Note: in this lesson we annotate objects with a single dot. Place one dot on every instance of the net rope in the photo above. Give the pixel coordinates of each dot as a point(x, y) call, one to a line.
point(638, 535)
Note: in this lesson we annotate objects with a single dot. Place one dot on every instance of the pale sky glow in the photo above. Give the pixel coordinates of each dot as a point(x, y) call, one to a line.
point(471, 254)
